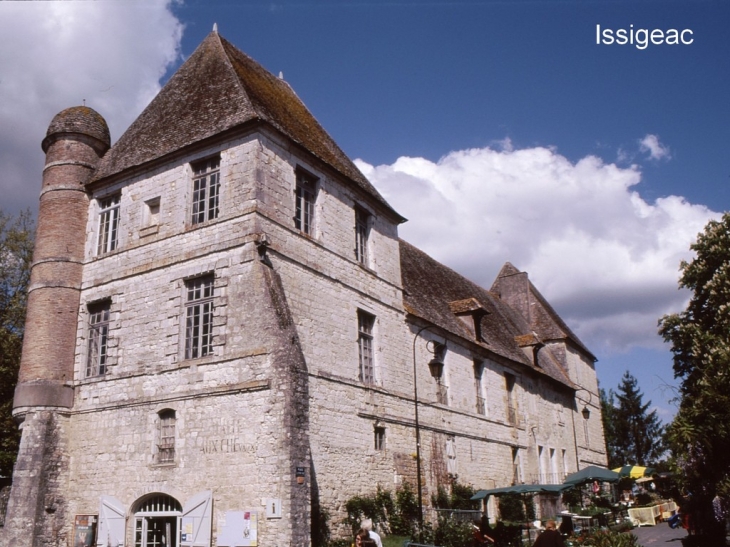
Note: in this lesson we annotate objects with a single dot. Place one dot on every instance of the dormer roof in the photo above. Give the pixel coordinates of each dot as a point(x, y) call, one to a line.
point(514, 287)
point(437, 294)
point(220, 88)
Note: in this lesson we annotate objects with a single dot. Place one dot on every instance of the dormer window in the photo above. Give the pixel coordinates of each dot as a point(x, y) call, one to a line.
point(470, 312)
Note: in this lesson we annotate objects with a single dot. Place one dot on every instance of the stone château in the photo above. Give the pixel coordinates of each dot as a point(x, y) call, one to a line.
point(223, 331)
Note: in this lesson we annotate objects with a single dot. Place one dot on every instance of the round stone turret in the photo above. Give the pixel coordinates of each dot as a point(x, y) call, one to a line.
point(76, 140)
point(78, 119)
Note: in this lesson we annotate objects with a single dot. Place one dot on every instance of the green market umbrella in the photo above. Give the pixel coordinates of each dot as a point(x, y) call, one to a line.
point(590, 474)
point(634, 471)
point(522, 489)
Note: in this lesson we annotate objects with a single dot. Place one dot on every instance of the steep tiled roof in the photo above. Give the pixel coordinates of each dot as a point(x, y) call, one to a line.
point(514, 287)
point(219, 88)
point(432, 292)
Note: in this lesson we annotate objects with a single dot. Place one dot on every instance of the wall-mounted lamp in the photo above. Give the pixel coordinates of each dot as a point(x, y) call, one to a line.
point(586, 413)
point(436, 365)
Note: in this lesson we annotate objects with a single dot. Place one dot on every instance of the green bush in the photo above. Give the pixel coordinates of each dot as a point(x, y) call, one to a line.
point(406, 516)
point(453, 533)
point(572, 497)
point(460, 497)
point(516, 508)
point(399, 516)
point(511, 508)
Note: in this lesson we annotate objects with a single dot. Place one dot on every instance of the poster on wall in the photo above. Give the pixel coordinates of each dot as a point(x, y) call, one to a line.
point(84, 530)
point(238, 529)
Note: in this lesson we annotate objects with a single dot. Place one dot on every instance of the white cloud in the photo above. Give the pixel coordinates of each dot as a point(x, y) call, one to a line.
point(657, 151)
point(604, 257)
point(55, 55)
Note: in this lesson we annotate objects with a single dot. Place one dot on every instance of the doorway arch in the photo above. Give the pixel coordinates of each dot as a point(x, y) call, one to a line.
point(157, 521)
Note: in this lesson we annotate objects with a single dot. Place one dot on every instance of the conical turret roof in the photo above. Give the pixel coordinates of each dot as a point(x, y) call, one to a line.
point(219, 88)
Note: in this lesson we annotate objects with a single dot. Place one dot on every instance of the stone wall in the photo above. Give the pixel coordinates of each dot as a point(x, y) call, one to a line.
point(278, 410)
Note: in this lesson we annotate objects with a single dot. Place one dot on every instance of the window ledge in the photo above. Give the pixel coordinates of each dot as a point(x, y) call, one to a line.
point(163, 465)
point(149, 230)
point(367, 268)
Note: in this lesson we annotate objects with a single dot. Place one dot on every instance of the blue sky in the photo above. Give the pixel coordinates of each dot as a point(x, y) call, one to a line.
point(500, 129)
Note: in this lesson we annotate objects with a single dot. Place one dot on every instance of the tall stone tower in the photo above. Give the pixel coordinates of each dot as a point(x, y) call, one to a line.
point(76, 139)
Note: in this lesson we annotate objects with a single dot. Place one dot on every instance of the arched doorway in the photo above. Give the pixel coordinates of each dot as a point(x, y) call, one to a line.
point(156, 521)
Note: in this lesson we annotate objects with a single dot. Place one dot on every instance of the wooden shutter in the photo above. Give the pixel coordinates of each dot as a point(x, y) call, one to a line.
point(196, 521)
point(112, 522)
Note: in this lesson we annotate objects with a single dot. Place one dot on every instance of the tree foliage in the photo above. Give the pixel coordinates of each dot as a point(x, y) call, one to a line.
point(699, 436)
point(636, 434)
point(16, 251)
point(608, 415)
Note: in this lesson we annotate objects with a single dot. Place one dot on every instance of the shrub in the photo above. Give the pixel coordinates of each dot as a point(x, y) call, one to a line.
point(511, 508)
point(453, 533)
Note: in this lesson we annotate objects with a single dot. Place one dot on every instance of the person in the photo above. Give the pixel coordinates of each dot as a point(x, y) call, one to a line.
point(480, 538)
point(362, 539)
point(367, 524)
point(550, 537)
point(566, 526)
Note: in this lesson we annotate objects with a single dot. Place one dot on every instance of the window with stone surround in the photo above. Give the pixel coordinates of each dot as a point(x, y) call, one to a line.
point(305, 195)
point(108, 224)
point(481, 404)
point(199, 317)
point(98, 336)
point(362, 233)
point(166, 436)
point(379, 438)
point(451, 455)
point(516, 466)
point(365, 323)
point(206, 190)
point(442, 387)
point(510, 380)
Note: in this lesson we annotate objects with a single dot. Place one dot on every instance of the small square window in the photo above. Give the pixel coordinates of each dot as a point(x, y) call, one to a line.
point(152, 216)
point(206, 190)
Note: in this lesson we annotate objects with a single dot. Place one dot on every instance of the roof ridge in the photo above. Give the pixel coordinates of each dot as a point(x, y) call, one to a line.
point(230, 66)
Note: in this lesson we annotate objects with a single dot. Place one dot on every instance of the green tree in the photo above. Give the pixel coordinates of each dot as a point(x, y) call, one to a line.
point(637, 433)
point(699, 436)
point(608, 411)
point(16, 251)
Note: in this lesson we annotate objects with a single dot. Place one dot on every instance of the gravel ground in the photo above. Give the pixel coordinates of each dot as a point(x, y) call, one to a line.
point(660, 535)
